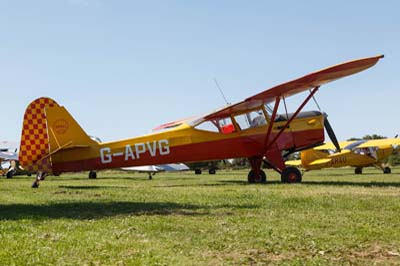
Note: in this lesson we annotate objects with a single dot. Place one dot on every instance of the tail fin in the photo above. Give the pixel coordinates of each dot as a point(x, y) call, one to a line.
point(47, 129)
point(308, 156)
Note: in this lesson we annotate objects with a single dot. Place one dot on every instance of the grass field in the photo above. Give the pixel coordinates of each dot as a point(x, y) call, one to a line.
point(332, 218)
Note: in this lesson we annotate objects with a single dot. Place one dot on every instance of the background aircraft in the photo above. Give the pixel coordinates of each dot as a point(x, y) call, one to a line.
point(52, 142)
point(153, 169)
point(9, 165)
point(358, 154)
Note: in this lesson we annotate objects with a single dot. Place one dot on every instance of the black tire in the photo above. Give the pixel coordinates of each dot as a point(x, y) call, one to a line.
point(10, 174)
point(212, 171)
point(358, 171)
point(253, 178)
point(197, 171)
point(92, 175)
point(387, 170)
point(29, 174)
point(35, 184)
point(291, 175)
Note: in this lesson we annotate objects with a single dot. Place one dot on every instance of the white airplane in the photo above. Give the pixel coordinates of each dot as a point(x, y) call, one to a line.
point(9, 158)
point(153, 169)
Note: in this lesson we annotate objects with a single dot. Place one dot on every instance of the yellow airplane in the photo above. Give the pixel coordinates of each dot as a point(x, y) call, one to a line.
point(358, 154)
point(52, 142)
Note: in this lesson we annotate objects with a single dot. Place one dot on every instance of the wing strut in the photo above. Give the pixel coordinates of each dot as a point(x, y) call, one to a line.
point(271, 122)
point(269, 144)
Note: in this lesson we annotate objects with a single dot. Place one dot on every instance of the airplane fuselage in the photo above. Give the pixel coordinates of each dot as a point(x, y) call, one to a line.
point(188, 144)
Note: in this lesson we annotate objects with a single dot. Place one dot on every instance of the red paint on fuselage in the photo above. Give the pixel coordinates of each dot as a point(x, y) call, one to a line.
point(244, 146)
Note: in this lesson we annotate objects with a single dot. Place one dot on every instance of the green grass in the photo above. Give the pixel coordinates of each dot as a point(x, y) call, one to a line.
point(332, 218)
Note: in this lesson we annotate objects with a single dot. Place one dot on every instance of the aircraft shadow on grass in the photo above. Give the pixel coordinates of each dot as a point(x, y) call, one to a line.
point(321, 183)
point(98, 210)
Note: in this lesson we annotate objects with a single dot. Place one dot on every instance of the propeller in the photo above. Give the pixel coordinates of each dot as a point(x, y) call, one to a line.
point(331, 133)
point(328, 128)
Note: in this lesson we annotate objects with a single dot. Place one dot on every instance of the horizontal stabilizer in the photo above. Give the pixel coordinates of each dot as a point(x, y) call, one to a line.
point(320, 161)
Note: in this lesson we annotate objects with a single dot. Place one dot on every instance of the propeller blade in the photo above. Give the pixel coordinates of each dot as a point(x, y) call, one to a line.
point(331, 133)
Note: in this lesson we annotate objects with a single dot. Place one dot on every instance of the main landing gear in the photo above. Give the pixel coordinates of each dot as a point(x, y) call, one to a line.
point(256, 175)
point(291, 175)
point(92, 175)
point(253, 177)
point(387, 170)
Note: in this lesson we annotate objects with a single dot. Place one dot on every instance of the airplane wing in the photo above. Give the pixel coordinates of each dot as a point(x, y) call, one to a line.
point(173, 167)
point(331, 146)
point(8, 156)
point(143, 169)
point(290, 88)
point(380, 143)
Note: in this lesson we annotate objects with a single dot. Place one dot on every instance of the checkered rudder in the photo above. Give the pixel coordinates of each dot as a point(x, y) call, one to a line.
point(34, 138)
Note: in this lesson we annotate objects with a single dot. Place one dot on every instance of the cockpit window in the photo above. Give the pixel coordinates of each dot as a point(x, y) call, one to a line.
point(251, 119)
point(224, 126)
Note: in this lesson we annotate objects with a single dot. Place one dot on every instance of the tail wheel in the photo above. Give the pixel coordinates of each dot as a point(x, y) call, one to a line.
point(291, 175)
point(387, 170)
point(211, 171)
point(197, 171)
point(252, 177)
point(92, 175)
point(358, 171)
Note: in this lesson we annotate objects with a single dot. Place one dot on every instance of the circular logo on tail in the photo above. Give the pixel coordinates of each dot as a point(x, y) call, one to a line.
point(60, 126)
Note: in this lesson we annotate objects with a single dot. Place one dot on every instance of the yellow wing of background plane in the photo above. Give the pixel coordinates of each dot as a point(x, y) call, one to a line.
point(379, 143)
point(331, 146)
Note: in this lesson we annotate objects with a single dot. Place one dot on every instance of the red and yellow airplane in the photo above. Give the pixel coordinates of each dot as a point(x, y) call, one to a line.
point(52, 142)
point(358, 154)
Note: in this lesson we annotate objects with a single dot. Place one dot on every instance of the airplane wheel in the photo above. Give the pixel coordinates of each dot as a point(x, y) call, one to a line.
point(35, 185)
point(211, 171)
point(197, 171)
point(9, 174)
point(29, 174)
point(387, 170)
point(358, 171)
point(92, 175)
point(253, 178)
point(291, 175)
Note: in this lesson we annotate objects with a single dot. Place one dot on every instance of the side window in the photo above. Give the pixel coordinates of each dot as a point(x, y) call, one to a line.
point(251, 119)
point(208, 126)
point(224, 126)
point(243, 121)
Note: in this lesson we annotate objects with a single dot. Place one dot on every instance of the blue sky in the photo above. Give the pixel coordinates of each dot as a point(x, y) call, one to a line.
point(123, 67)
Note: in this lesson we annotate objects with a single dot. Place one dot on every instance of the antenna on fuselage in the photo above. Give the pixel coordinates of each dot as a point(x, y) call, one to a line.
point(222, 93)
